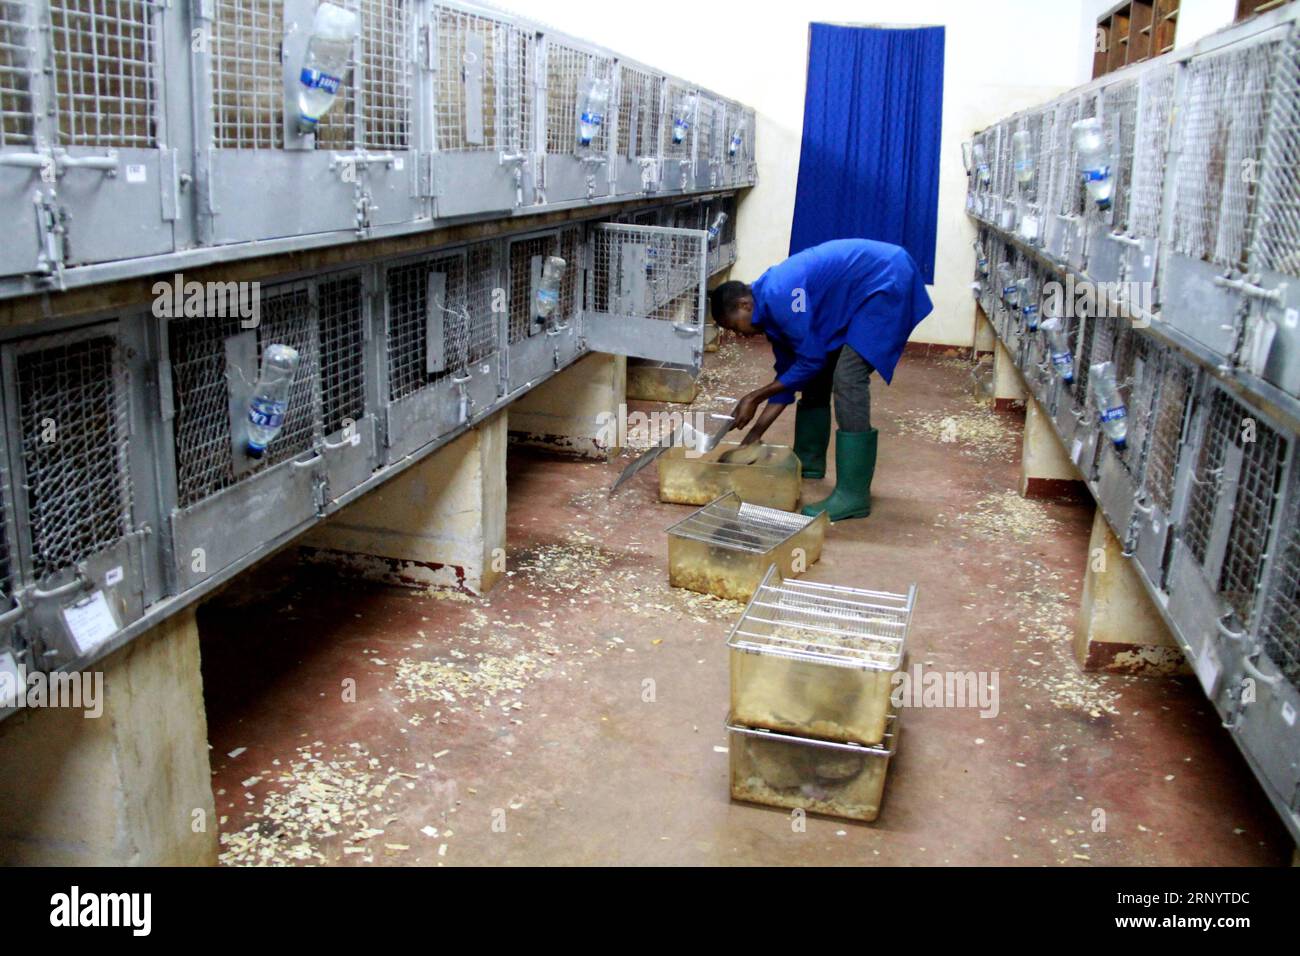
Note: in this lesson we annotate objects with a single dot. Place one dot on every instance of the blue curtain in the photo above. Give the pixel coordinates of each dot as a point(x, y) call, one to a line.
point(869, 165)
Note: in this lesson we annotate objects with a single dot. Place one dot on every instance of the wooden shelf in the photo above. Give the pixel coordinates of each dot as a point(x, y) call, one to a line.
point(1131, 32)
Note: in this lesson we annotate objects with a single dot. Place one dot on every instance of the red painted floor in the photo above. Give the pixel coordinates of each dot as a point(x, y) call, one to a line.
point(575, 714)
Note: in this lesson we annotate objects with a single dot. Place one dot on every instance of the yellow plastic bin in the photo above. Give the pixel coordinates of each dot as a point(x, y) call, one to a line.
point(818, 660)
point(727, 547)
point(689, 478)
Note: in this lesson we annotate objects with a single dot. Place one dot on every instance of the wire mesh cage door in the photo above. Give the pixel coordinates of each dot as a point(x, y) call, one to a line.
point(426, 330)
point(483, 120)
point(1063, 206)
point(678, 136)
point(1220, 132)
point(540, 344)
point(1120, 470)
point(1108, 228)
point(1169, 420)
point(354, 172)
point(1274, 255)
point(636, 145)
point(576, 153)
point(80, 552)
point(708, 146)
point(1267, 727)
point(646, 291)
point(349, 426)
point(225, 502)
point(81, 87)
point(738, 147)
point(751, 149)
point(1227, 514)
point(1157, 91)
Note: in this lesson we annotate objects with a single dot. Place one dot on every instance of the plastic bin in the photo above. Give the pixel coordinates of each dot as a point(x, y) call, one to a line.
point(695, 479)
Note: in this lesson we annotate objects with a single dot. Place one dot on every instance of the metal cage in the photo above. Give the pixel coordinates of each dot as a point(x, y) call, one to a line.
point(358, 167)
point(636, 154)
point(645, 293)
point(81, 567)
point(483, 119)
point(1220, 134)
point(88, 172)
point(1227, 512)
point(573, 171)
point(226, 502)
point(678, 135)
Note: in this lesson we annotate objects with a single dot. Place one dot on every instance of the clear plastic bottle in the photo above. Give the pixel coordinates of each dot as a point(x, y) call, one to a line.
point(715, 228)
point(548, 290)
point(1094, 161)
point(981, 259)
point(737, 139)
point(683, 117)
point(1007, 282)
point(1028, 305)
point(332, 33)
point(1059, 349)
point(982, 164)
point(1112, 412)
point(593, 102)
point(270, 401)
point(1022, 156)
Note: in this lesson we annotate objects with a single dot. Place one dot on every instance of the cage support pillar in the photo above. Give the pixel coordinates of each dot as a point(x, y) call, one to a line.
point(441, 523)
point(1119, 628)
point(1045, 469)
point(1008, 387)
point(985, 335)
point(129, 787)
point(576, 412)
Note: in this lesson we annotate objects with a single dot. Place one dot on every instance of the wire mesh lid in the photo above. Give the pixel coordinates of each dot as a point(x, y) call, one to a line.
point(825, 624)
point(730, 523)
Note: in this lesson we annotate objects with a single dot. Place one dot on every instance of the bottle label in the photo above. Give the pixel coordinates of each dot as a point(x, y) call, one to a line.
point(593, 119)
point(316, 80)
point(265, 413)
point(1100, 174)
point(1114, 414)
point(1063, 360)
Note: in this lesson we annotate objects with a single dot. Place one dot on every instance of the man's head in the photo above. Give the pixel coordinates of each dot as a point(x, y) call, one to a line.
point(732, 306)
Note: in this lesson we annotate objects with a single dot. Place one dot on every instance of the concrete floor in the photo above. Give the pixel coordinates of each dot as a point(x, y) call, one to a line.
point(519, 728)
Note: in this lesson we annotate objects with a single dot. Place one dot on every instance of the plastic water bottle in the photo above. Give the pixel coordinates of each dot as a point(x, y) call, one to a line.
point(1112, 413)
point(1094, 161)
point(593, 101)
point(737, 139)
point(715, 229)
point(1022, 154)
point(683, 116)
point(1028, 307)
point(270, 399)
point(1010, 291)
point(982, 164)
point(981, 260)
point(1058, 347)
point(548, 290)
point(332, 34)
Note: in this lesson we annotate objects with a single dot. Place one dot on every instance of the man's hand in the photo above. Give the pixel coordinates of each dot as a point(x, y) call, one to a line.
point(745, 409)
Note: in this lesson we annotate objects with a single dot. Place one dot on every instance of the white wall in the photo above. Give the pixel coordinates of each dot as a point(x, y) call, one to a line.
point(1001, 55)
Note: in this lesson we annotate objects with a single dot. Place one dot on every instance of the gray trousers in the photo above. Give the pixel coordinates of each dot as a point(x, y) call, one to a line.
point(848, 378)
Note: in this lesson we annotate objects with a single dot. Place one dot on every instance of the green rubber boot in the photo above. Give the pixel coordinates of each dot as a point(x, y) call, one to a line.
point(812, 436)
point(855, 464)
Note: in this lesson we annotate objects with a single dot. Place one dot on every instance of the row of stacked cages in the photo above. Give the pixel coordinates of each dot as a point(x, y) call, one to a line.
point(1189, 285)
point(134, 132)
point(126, 486)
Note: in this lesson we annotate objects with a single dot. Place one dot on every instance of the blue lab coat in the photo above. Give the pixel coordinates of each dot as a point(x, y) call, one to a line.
point(857, 291)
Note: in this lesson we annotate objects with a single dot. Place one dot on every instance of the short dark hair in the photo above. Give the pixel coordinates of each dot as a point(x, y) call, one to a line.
point(725, 298)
